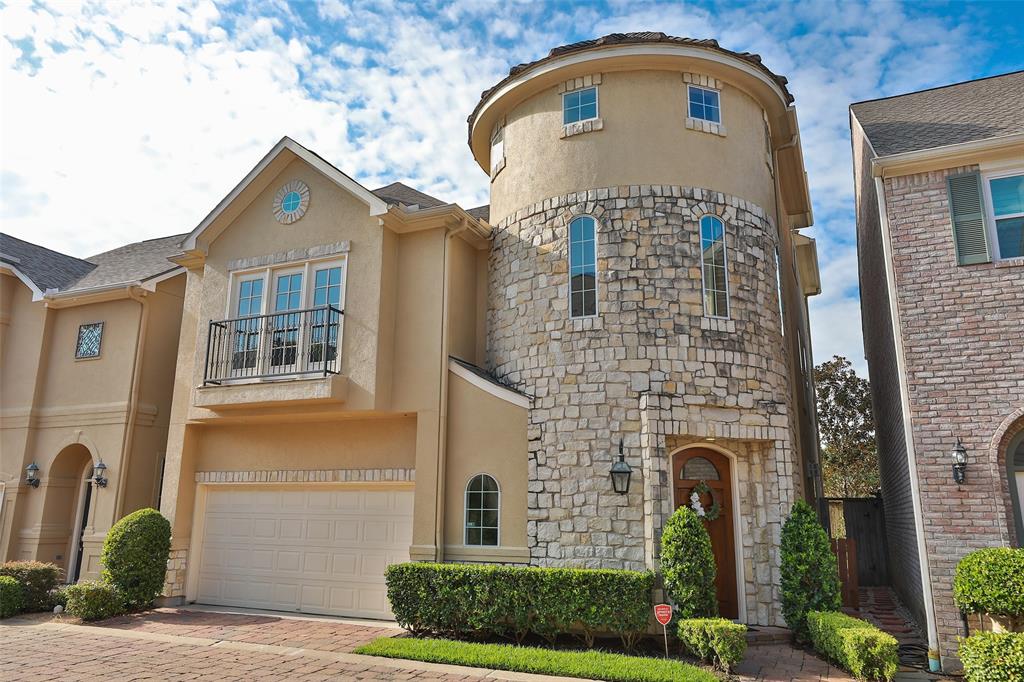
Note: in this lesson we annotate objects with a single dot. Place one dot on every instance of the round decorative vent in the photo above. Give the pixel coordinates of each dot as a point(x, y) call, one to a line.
point(291, 202)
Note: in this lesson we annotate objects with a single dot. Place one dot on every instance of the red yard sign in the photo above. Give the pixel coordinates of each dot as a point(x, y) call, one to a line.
point(663, 612)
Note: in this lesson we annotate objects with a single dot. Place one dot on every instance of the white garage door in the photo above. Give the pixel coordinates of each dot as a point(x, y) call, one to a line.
point(315, 551)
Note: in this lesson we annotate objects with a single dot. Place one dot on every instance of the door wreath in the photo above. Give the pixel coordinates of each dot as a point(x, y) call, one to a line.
point(702, 488)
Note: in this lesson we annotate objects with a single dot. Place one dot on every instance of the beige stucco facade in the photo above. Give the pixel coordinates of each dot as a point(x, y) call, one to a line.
point(66, 415)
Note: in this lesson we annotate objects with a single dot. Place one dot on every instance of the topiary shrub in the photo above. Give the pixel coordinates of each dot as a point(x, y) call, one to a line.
point(469, 600)
point(810, 571)
point(135, 556)
point(688, 565)
point(717, 641)
point(94, 600)
point(12, 596)
point(992, 581)
point(993, 657)
point(37, 578)
point(856, 645)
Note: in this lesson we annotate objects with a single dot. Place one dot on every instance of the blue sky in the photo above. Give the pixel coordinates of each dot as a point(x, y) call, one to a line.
point(122, 121)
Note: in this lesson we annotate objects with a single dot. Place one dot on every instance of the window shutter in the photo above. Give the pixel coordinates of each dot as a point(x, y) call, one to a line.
point(968, 215)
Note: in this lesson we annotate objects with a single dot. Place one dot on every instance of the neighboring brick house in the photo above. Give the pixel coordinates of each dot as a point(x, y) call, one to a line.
point(939, 180)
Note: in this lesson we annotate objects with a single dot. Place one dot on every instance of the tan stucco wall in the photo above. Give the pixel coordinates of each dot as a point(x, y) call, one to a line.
point(65, 414)
point(644, 140)
point(486, 435)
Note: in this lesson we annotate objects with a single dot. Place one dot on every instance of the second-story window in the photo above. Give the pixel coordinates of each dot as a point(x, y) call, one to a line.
point(582, 267)
point(89, 338)
point(704, 104)
point(579, 105)
point(714, 267)
point(1006, 195)
point(497, 149)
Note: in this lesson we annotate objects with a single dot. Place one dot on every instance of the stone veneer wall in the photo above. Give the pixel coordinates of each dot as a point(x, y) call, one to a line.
point(650, 368)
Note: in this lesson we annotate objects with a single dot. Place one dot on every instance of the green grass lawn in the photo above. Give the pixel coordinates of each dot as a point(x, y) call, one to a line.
point(587, 664)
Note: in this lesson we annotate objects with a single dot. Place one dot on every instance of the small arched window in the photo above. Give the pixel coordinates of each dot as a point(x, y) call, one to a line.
point(699, 469)
point(582, 267)
point(482, 511)
point(714, 267)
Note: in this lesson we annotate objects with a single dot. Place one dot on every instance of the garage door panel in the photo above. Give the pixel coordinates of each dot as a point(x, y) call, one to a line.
point(319, 551)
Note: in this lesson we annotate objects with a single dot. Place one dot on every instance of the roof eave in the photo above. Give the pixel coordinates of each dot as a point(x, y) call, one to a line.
point(913, 161)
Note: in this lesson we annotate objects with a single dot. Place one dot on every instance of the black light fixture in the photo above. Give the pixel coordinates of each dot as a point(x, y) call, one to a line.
point(30, 475)
point(621, 471)
point(97, 474)
point(959, 462)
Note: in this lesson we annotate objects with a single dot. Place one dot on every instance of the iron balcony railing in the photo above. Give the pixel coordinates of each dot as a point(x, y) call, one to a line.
point(292, 343)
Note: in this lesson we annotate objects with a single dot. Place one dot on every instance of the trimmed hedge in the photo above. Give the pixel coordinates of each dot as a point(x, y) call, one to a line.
point(810, 571)
point(856, 645)
point(688, 565)
point(93, 600)
point(715, 640)
point(135, 555)
point(12, 596)
point(469, 600)
point(993, 657)
point(992, 581)
point(37, 578)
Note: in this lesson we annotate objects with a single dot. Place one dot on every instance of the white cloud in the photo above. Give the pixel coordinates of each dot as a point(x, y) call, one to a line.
point(122, 122)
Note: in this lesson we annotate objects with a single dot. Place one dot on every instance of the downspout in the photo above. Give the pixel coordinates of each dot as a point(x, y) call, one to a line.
point(934, 662)
point(133, 399)
point(442, 426)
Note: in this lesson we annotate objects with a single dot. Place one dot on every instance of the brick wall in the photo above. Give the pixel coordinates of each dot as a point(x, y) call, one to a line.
point(963, 335)
point(880, 352)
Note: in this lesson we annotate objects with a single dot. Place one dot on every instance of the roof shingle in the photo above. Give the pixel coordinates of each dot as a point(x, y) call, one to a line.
point(48, 269)
point(952, 114)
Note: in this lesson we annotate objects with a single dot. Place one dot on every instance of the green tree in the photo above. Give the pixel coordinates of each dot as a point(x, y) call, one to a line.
point(846, 425)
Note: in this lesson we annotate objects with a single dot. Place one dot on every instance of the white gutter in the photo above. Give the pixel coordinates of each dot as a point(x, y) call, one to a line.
point(908, 435)
point(974, 147)
point(128, 438)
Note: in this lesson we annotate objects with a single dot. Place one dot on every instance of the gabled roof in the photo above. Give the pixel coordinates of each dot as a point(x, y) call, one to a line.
point(290, 147)
point(44, 268)
point(46, 271)
point(952, 114)
point(403, 195)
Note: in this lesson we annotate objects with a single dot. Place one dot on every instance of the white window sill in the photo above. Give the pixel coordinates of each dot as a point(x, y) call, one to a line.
point(1010, 262)
point(700, 125)
point(580, 127)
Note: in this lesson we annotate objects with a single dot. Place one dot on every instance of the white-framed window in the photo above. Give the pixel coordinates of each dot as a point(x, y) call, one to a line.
point(704, 103)
point(778, 290)
point(714, 267)
point(1004, 205)
point(583, 267)
point(483, 511)
point(90, 337)
point(497, 148)
point(286, 318)
point(579, 105)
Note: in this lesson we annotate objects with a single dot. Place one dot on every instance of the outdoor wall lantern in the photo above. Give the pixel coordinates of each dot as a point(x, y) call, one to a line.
point(621, 471)
point(97, 474)
point(30, 475)
point(959, 462)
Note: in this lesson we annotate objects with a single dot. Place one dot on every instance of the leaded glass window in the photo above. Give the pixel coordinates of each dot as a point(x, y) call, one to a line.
point(89, 338)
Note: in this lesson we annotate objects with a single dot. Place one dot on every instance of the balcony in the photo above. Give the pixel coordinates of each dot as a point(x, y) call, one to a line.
point(257, 352)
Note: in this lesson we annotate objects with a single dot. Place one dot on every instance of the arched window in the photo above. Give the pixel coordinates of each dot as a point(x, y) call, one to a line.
point(482, 511)
point(1015, 473)
point(582, 267)
point(714, 270)
point(699, 469)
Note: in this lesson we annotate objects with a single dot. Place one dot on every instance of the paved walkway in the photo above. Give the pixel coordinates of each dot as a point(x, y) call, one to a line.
point(781, 662)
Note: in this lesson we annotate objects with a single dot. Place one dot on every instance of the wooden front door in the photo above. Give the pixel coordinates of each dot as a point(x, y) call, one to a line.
point(689, 469)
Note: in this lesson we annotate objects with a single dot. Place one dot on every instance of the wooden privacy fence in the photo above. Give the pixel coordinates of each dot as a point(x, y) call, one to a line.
point(863, 521)
point(845, 550)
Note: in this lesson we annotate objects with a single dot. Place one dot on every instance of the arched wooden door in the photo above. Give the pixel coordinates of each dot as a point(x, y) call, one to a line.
point(707, 472)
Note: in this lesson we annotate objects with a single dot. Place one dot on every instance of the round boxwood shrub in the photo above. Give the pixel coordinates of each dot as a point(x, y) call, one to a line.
point(992, 581)
point(810, 572)
point(688, 565)
point(12, 596)
point(94, 600)
point(993, 657)
point(135, 556)
point(37, 578)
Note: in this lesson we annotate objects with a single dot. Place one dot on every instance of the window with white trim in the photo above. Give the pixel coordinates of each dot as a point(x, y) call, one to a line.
point(704, 104)
point(90, 336)
point(497, 149)
point(583, 267)
point(483, 503)
point(714, 267)
point(1004, 196)
point(579, 105)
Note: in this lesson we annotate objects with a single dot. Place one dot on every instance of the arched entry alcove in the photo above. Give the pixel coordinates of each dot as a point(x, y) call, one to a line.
point(67, 491)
